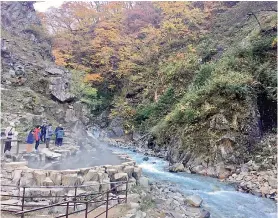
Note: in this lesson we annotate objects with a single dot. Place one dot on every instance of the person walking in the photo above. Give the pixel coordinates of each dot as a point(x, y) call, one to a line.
point(48, 135)
point(56, 130)
point(30, 140)
point(37, 134)
point(9, 132)
point(43, 131)
point(59, 135)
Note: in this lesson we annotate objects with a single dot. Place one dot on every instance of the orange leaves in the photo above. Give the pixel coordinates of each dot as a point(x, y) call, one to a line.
point(59, 57)
point(96, 77)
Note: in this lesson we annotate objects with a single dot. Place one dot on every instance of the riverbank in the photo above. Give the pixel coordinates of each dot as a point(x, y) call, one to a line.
point(248, 178)
point(219, 197)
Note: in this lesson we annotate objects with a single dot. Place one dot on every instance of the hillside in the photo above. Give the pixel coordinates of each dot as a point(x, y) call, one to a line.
point(33, 88)
point(199, 79)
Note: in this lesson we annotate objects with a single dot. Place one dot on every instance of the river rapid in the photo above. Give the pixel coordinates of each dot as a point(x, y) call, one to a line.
point(219, 198)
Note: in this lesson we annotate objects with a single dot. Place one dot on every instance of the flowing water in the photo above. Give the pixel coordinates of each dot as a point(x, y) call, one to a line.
point(221, 199)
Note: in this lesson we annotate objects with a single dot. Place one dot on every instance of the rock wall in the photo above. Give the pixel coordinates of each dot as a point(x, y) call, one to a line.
point(33, 87)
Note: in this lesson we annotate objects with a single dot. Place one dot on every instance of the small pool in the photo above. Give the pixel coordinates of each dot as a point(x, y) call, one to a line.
point(82, 159)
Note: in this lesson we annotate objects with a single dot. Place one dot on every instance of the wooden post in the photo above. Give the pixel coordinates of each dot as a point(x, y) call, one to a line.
point(126, 191)
point(107, 198)
point(75, 192)
point(86, 210)
point(67, 211)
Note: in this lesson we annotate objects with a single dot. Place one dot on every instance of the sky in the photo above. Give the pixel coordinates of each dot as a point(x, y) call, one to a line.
point(44, 5)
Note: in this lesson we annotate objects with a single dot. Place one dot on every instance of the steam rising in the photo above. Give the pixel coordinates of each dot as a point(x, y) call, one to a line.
point(93, 152)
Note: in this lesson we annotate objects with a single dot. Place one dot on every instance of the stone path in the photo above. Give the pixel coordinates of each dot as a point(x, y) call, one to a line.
point(115, 212)
point(22, 147)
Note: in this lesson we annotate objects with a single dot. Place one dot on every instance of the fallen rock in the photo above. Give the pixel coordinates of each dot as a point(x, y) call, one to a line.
point(129, 170)
point(50, 155)
point(54, 71)
point(134, 205)
point(178, 167)
point(145, 158)
point(137, 172)
point(133, 198)
point(272, 182)
point(144, 182)
point(48, 182)
point(120, 177)
point(194, 200)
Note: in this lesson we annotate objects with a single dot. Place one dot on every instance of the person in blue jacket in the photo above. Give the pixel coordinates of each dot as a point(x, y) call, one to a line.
point(59, 136)
point(30, 140)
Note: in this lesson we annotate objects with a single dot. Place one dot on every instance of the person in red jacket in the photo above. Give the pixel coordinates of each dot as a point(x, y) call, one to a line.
point(37, 135)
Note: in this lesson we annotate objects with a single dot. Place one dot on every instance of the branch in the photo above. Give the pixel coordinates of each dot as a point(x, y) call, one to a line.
point(250, 14)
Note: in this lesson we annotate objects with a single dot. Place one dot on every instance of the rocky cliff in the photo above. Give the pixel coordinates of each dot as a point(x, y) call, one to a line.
point(33, 87)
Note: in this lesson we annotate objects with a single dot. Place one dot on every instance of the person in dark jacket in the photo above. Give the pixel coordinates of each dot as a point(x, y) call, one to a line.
point(43, 132)
point(56, 131)
point(30, 140)
point(60, 135)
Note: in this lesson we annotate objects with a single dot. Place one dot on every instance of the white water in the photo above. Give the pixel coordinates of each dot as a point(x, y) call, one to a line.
point(221, 199)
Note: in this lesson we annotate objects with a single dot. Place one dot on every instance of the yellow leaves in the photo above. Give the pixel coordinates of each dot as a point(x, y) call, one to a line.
point(274, 43)
point(191, 49)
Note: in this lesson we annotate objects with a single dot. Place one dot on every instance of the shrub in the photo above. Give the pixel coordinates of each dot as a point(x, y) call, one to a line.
point(203, 74)
point(39, 32)
point(150, 114)
point(261, 46)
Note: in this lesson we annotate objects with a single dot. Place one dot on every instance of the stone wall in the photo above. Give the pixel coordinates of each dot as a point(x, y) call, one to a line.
point(94, 179)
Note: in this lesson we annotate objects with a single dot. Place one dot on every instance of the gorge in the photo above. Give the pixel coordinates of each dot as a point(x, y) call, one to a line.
point(185, 87)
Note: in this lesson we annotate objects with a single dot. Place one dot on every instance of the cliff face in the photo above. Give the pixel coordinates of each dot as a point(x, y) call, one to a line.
point(33, 87)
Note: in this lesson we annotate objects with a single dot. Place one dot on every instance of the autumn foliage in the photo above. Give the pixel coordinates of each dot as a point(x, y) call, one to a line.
point(110, 40)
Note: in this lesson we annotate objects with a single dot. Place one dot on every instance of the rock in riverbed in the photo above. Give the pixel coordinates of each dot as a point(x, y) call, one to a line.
point(145, 158)
point(178, 167)
point(194, 200)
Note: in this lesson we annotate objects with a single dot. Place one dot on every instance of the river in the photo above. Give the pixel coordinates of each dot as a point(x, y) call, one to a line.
point(221, 199)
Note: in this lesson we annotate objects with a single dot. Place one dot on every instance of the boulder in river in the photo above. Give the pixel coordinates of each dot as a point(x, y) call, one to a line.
point(145, 158)
point(178, 167)
point(194, 200)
